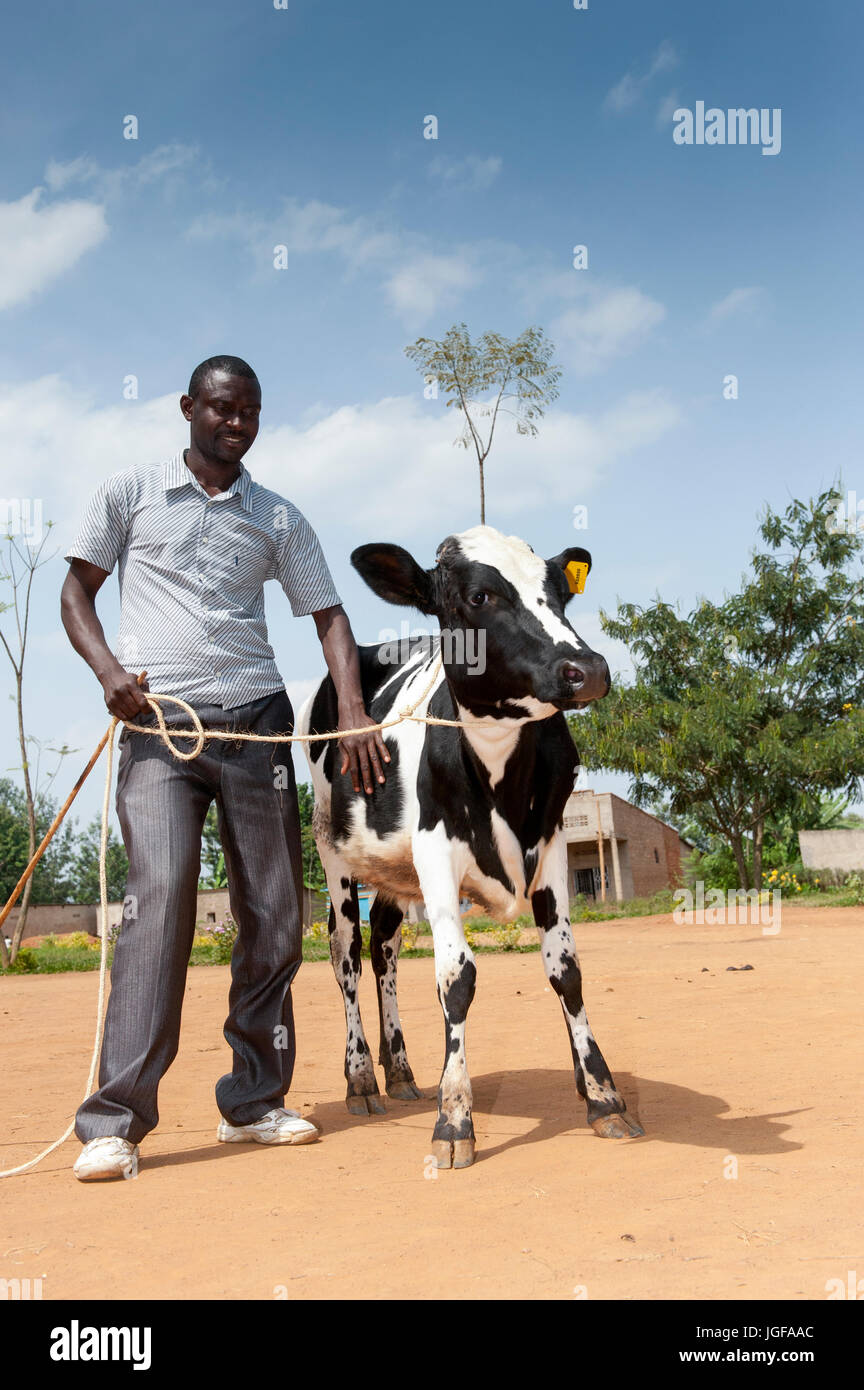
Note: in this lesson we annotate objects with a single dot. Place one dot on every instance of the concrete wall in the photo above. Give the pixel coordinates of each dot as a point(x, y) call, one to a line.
point(63, 918)
point(60, 918)
point(832, 849)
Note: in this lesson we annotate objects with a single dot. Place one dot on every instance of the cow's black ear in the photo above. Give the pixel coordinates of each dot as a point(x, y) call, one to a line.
point(394, 575)
point(573, 552)
point(560, 563)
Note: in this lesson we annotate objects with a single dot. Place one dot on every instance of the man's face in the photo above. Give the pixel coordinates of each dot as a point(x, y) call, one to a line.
point(224, 416)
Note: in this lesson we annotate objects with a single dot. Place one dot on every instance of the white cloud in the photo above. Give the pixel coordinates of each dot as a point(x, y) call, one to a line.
point(415, 283)
point(110, 183)
point(738, 301)
point(65, 445)
point(631, 87)
point(37, 244)
point(667, 109)
point(606, 324)
point(393, 458)
point(312, 227)
point(305, 229)
point(469, 175)
point(396, 457)
point(422, 286)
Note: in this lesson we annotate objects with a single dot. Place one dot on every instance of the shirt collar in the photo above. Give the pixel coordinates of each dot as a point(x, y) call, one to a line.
point(176, 474)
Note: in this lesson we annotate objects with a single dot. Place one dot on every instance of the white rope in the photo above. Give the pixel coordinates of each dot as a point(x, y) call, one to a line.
point(103, 962)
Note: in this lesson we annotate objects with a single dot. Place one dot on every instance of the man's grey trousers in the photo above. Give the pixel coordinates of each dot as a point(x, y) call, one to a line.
point(162, 804)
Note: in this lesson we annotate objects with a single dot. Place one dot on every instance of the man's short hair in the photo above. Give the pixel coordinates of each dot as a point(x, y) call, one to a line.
point(234, 366)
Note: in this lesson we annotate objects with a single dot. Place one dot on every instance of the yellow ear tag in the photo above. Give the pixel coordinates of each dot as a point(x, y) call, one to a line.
point(576, 572)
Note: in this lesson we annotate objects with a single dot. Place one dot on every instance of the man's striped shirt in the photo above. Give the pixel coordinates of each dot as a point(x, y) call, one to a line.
point(192, 569)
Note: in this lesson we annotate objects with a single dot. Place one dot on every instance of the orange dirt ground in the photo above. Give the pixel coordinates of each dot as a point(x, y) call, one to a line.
point(758, 1067)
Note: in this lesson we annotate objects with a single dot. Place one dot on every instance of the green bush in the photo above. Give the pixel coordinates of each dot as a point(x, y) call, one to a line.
point(26, 962)
point(218, 941)
point(855, 885)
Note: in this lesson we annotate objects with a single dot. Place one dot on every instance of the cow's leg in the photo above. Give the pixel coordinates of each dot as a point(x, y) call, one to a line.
point(345, 946)
point(385, 921)
point(436, 862)
point(551, 906)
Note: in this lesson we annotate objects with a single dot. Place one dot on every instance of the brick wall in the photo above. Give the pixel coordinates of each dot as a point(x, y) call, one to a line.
point(646, 846)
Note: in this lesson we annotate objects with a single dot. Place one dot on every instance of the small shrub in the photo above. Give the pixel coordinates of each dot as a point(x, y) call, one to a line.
point(220, 938)
point(410, 933)
point(507, 936)
point(318, 932)
point(855, 885)
point(26, 962)
point(73, 941)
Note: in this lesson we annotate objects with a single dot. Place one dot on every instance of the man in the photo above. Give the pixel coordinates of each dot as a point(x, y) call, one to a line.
point(195, 539)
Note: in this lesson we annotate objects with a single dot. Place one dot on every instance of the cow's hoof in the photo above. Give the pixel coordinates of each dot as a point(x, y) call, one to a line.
point(366, 1105)
point(617, 1126)
point(463, 1153)
point(404, 1090)
point(453, 1153)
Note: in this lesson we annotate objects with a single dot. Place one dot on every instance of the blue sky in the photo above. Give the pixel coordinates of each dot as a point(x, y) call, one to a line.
point(304, 127)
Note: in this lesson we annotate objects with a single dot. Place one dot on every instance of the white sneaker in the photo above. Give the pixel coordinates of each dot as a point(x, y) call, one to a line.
point(276, 1127)
point(108, 1157)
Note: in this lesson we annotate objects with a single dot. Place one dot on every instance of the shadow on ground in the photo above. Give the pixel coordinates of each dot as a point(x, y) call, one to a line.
point(670, 1114)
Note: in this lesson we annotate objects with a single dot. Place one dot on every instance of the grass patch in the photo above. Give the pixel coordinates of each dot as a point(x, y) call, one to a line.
point(78, 952)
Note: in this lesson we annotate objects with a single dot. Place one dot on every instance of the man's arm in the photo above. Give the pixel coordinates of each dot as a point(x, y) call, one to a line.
point(123, 696)
point(362, 753)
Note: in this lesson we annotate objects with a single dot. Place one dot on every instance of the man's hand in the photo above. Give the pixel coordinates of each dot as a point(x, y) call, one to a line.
point(123, 695)
point(362, 753)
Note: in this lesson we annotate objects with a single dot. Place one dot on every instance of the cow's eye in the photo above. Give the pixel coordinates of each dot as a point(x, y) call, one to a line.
point(478, 598)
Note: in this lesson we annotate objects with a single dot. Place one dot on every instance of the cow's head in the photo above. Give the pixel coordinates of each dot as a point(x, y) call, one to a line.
point(508, 604)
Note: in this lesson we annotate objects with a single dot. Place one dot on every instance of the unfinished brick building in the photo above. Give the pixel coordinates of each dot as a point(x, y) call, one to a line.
point(638, 853)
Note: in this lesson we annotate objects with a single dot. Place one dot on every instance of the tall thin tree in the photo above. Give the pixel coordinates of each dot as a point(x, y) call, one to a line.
point(24, 559)
point(478, 378)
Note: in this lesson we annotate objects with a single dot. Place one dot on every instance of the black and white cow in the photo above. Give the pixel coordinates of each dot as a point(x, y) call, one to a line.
point(472, 812)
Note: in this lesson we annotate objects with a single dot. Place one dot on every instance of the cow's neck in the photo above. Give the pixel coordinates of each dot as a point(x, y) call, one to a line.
point(492, 742)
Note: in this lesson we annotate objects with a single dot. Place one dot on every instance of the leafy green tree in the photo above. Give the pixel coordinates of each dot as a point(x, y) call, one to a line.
point(86, 865)
point(53, 878)
point(213, 873)
point(745, 711)
point(25, 558)
point(313, 871)
point(477, 378)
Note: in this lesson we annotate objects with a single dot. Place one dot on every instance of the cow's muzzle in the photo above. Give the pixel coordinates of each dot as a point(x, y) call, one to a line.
point(580, 679)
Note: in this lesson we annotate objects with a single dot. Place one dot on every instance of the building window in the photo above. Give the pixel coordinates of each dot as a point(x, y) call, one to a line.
point(656, 857)
point(571, 822)
point(211, 916)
